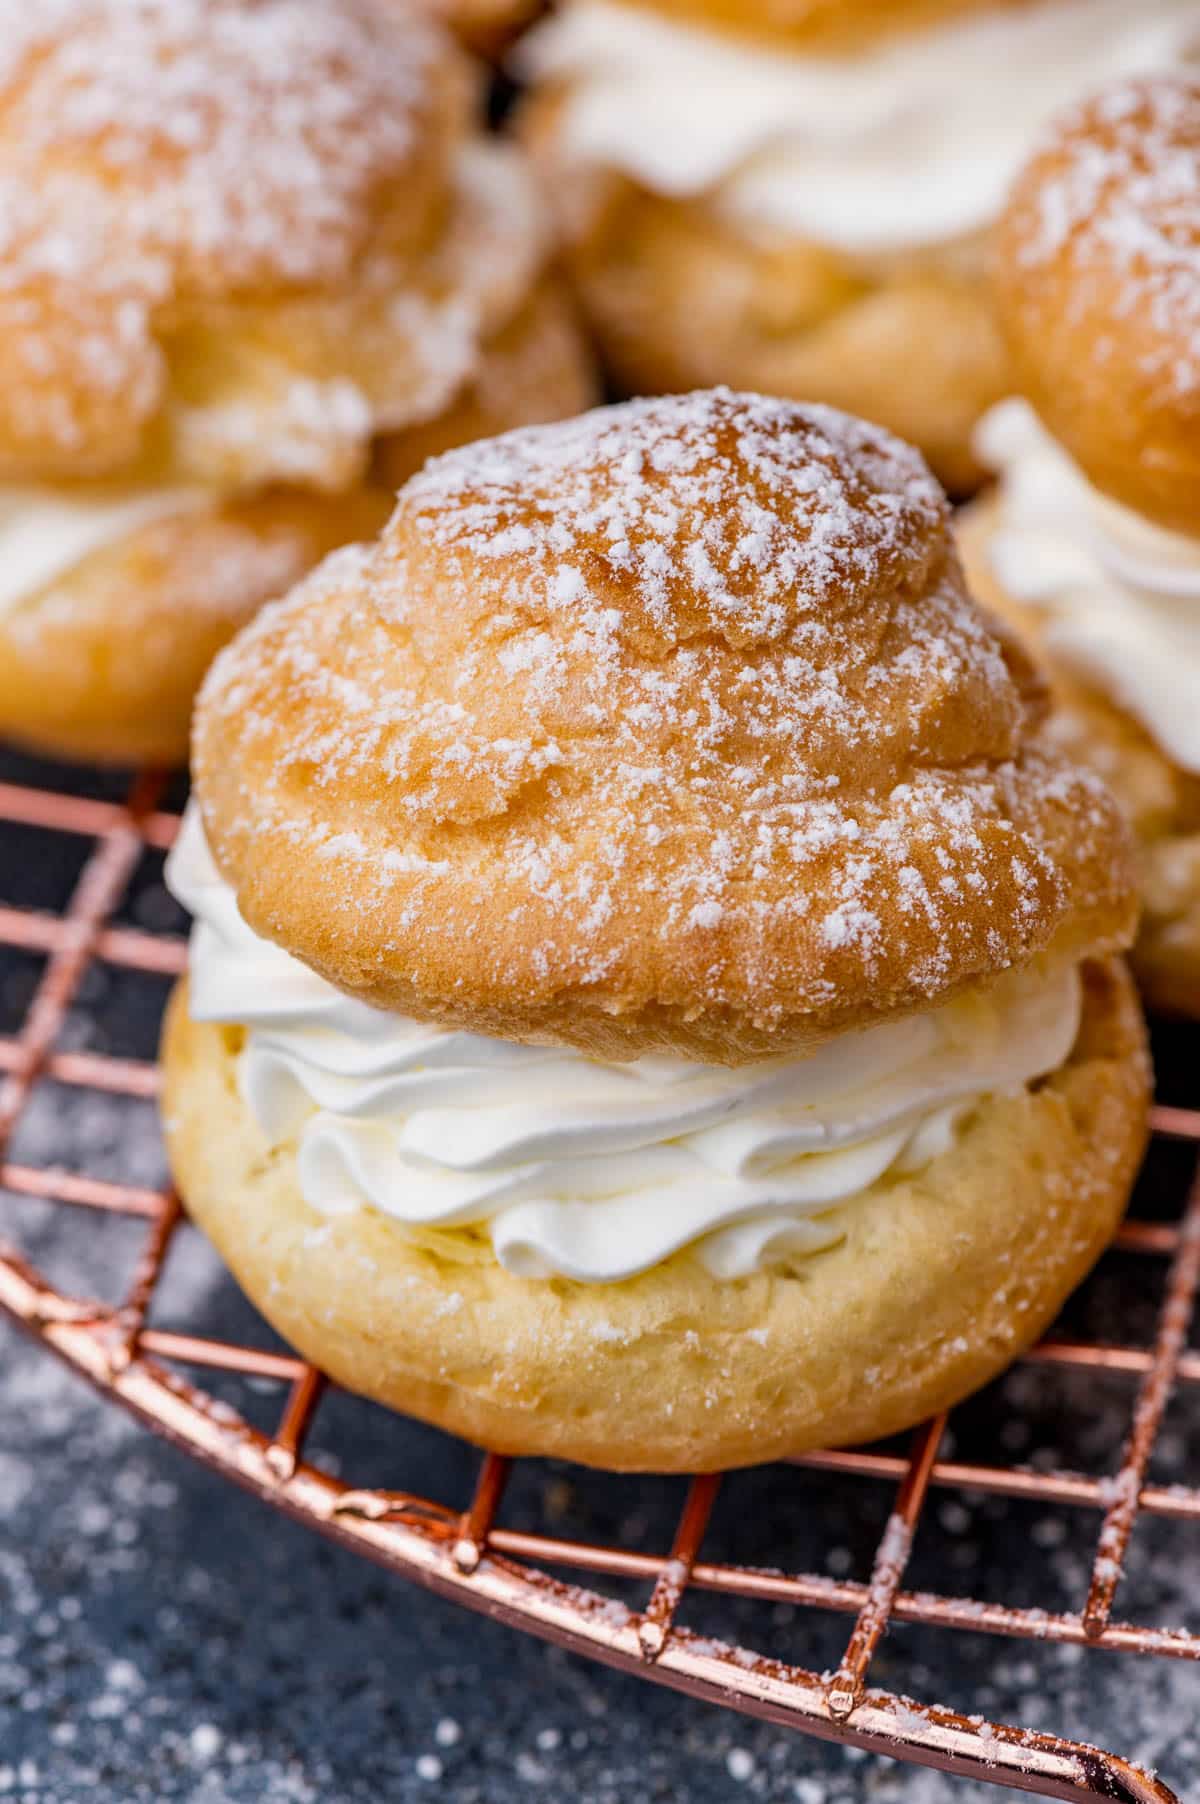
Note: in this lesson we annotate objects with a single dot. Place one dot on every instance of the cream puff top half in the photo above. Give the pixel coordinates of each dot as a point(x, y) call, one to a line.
point(239, 237)
point(670, 729)
point(1098, 273)
point(1098, 510)
point(873, 129)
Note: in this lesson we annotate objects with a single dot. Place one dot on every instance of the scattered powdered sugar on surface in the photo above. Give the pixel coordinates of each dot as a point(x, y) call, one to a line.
point(697, 671)
point(1123, 190)
point(158, 1638)
point(153, 148)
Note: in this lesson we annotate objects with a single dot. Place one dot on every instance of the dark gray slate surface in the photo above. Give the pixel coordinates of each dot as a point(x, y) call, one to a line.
point(165, 1638)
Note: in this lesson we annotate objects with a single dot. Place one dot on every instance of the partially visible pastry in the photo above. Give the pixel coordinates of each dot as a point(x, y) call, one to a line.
point(655, 997)
point(1093, 539)
point(531, 371)
point(485, 27)
point(817, 26)
point(244, 242)
point(111, 610)
point(795, 195)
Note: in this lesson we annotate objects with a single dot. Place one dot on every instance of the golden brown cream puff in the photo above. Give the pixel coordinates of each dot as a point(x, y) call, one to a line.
point(654, 997)
point(796, 195)
point(245, 243)
point(1092, 541)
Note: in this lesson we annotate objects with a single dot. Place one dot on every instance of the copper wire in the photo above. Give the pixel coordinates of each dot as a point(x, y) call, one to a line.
point(467, 1554)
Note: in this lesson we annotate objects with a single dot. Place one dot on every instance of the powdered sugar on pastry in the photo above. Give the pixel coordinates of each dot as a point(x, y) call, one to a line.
point(407, 357)
point(669, 727)
point(207, 211)
point(1127, 201)
point(230, 131)
point(1098, 284)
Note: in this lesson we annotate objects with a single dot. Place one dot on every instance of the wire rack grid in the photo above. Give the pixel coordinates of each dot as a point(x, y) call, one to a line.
point(467, 1554)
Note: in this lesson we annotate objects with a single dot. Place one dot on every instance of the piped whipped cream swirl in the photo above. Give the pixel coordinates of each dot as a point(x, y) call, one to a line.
point(909, 142)
point(588, 1170)
point(1120, 595)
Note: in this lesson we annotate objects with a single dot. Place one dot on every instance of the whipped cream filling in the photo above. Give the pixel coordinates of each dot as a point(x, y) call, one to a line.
point(1120, 595)
point(910, 141)
point(45, 532)
point(587, 1170)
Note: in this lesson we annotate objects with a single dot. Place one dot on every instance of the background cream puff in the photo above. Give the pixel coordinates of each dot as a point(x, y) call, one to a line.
point(244, 245)
point(653, 998)
point(1092, 542)
point(795, 195)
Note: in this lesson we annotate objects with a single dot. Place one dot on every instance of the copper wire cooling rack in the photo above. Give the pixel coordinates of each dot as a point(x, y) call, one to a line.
point(466, 1554)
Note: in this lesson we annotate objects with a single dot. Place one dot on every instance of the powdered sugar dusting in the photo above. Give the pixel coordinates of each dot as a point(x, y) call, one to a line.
point(682, 703)
point(153, 149)
point(710, 505)
point(1124, 193)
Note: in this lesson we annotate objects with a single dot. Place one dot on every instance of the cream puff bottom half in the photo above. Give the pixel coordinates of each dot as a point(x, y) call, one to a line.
point(1161, 801)
point(940, 1281)
point(104, 662)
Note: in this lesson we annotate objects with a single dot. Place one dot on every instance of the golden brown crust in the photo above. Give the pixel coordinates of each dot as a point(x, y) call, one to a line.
point(679, 299)
point(104, 663)
point(1098, 278)
point(302, 384)
point(1166, 954)
point(241, 237)
point(485, 27)
point(1162, 801)
point(536, 368)
point(668, 727)
point(941, 1280)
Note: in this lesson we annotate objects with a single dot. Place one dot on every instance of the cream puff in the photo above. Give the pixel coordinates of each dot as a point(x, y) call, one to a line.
point(1092, 541)
point(796, 195)
point(655, 999)
point(245, 245)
